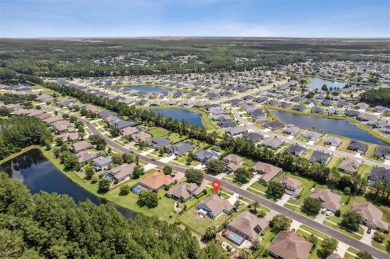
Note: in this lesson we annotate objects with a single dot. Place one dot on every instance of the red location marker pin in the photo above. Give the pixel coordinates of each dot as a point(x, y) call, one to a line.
point(216, 184)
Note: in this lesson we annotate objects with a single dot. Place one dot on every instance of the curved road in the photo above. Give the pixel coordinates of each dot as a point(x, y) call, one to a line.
point(273, 206)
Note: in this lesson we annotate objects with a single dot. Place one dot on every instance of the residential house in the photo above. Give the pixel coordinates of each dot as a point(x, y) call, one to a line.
point(351, 113)
point(333, 141)
point(102, 163)
point(372, 216)
point(296, 149)
point(205, 156)
point(81, 146)
point(158, 143)
point(299, 107)
point(246, 226)
point(267, 171)
point(233, 162)
point(292, 186)
point(121, 173)
point(317, 110)
point(379, 173)
point(129, 131)
point(288, 245)
point(60, 126)
point(153, 182)
point(320, 157)
point(349, 166)
point(273, 125)
point(362, 106)
point(273, 143)
point(69, 136)
point(312, 135)
point(382, 152)
point(121, 124)
point(181, 148)
point(236, 131)
point(141, 137)
point(358, 146)
point(328, 199)
point(291, 130)
point(85, 156)
point(252, 136)
point(185, 191)
point(214, 206)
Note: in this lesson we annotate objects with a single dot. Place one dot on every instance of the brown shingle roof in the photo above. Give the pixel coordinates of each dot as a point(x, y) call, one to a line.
point(249, 224)
point(156, 180)
point(370, 214)
point(329, 199)
point(290, 246)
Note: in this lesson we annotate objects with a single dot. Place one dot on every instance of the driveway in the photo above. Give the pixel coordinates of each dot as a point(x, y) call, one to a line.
point(320, 218)
point(285, 198)
point(367, 238)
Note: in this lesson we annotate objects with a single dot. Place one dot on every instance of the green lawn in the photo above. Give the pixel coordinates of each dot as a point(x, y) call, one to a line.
point(158, 132)
point(199, 224)
point(231, 180)
point(175, 137)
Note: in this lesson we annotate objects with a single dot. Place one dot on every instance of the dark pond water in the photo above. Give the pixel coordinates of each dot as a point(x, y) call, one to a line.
point(332, 126)
point(39, 174)
point(317, 83)
point(149, 89)
point(192, 117)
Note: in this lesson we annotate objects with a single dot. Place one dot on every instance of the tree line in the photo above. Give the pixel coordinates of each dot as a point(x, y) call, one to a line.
point(376, 97)
point(288, 162)
point(53, 226)
point(17, 133)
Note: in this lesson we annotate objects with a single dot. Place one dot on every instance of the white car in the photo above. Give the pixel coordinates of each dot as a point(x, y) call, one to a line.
point(328, 213)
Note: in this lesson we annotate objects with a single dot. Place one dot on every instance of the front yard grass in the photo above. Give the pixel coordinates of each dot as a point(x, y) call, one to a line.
point(158, 132)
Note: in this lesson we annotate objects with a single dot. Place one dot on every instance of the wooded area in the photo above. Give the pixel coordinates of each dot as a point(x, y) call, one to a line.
point(111, 57)
point(377, 97)
point(54, 226)
point(20, 132)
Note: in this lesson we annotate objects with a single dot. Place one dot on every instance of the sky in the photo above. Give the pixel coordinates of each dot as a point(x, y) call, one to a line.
point(234, 18)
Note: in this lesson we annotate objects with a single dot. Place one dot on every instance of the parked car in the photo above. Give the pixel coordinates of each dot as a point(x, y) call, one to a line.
point(323, 211)
point(369, 231)
point(328, 213)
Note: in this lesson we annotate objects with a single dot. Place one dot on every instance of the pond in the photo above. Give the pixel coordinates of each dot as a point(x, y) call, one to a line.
point(331, 126)
point(317, 83)
point(39, 174)
point(149, 89)
point(192, 117)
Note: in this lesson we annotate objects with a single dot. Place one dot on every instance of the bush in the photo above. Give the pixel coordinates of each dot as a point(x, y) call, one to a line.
point(337, 213)
point(124, 190)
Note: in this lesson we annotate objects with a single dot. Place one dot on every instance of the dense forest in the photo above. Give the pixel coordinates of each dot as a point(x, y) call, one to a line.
point(119, 57)
point(20, 132)
point(376, 97)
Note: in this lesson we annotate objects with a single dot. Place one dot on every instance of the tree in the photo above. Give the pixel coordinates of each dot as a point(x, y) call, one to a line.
point(210, 234)
point(194, 176)
point(124, 190)
point(254, 207)
point(328, 245)
point(89, 172)
point(148, 199)
point(117, 159)
point(311, 206)
point(324, 88)
point(189, 159)
point(59, 142)
point(167, 170)
point(275, 189)
point(138, 171)
point(70, 161)
point(115, 132)
point(364, 255)
point(313, 239)
point(215, 167)
point(242, 175)
point(244, 254)
point(347, 190)
point(279, 223)
point(351, 220)
point(378, 237)
point(104, 185)
point(98, 141)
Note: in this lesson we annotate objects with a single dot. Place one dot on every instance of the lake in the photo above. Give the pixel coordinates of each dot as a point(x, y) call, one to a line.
point(149, 89)
point(332, 126)
point(39, 174)
point(317, 83)
point(192, 117)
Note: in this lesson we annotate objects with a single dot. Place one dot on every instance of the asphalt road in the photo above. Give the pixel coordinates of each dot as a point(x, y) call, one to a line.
point(279, 209)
